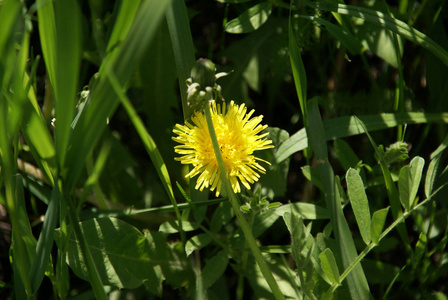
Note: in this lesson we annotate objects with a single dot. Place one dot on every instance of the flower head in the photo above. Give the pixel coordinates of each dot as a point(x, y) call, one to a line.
point(238, 137)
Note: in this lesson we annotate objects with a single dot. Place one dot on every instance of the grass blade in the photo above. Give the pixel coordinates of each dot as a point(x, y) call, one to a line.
point(348, 126)
point(357, 282)
point(183, 48)
point(123, 61)
point(392, 24)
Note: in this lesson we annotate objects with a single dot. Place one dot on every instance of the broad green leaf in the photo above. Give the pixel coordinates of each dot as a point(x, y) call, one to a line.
point(197, 242)
point(356, 280)
point(221, 217)
point(359, 202)
point(348, 126)
point(297, 231)
point(251, 19)
point(307, 211)
point(120, 252)
point(379, 19)
point(214, 268)
point(345, 154)
point(381, 42)
point(274, 182)
point(377, 224)
point(329, 266)
point(312, 174)
point(173, 226)
point(392, 192)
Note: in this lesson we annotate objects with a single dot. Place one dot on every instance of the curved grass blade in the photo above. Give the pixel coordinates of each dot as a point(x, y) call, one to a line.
point(102, 101)
point(385, 21)
point(348, 126)
point(356, 280)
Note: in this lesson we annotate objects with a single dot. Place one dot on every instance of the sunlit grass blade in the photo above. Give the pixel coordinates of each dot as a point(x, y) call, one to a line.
point(356, 280)
point(183, 48)
point(45, 242)
point(60, 32)
point(392, 24)
point(103, 100)
point(149, 144)
point(348, 126)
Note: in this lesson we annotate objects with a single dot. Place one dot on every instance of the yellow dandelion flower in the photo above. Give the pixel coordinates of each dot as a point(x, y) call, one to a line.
point(238, 137)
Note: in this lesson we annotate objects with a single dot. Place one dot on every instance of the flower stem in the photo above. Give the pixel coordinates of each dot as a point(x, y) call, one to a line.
point(239, 215)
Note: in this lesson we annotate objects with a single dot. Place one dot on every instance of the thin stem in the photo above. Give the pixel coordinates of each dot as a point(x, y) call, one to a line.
point(383, 235)
point(239, 215)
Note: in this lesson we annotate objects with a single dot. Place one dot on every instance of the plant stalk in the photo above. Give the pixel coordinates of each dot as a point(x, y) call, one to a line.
point(239, 215)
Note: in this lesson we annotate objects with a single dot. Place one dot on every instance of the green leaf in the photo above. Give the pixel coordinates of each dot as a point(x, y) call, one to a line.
point(183, 47)
point(377, 224)
point(312, 174)
point(431, 174)
point(345, 154)
point(379, 19)
point(409, 181)
point(120, 252)
point(348, 126)
point(197, 242)
point(250, 20)
point(359, 202)
point(307, 211)
point(329, 266)
point(396, 152)
point(123, 56)
point(350, 41)
point(416, 172)
point(173, 226)
point(298, 70)
point(420, 249)
point(356, 279)
point(214, 268)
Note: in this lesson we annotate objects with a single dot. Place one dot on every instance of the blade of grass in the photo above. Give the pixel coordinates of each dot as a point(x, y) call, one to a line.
point(45, 242)
point(357, 282)
point(60, 33)
point(348, 126)
point(102, 100)
point(149, 144)
point(183, 48)
point(384, 21)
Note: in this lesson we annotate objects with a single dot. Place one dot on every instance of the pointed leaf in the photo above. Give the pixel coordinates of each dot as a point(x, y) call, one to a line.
point(360, 205)
point(214, 268)
point(416, 171)
point(251, 19)
point(197, 242)
point(329, 266)
point(377, 224)
point(120, 252)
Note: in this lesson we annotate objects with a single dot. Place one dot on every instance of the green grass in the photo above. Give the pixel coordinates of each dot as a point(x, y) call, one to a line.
point(352, 205)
